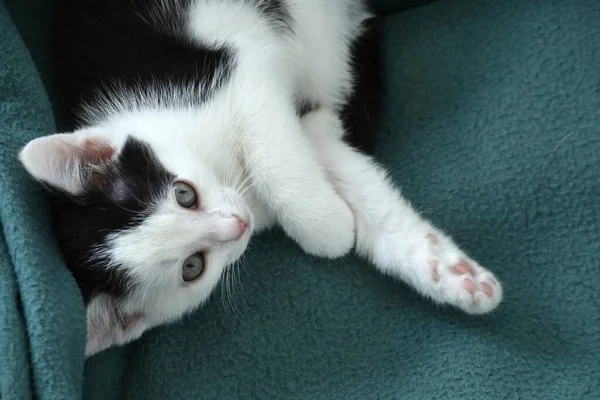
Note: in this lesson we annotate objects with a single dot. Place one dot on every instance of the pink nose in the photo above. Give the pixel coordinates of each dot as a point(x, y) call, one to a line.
point(242, 226)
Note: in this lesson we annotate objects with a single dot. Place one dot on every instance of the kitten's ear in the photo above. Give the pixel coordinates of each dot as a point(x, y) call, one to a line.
point(67, 161)
point(108, 325)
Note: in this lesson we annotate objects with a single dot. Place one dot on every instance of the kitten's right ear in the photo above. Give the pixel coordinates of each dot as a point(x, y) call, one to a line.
point(69, 162)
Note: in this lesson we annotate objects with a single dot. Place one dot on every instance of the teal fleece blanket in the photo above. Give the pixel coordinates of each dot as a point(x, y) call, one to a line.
point(42, 328)
point(492, 129)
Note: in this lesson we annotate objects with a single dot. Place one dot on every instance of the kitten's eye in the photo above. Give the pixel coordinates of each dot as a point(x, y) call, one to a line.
point(192, 267)
point(185, 194)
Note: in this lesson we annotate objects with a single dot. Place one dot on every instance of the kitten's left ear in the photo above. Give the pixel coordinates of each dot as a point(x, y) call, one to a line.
point(67, 161)
point(109, 326)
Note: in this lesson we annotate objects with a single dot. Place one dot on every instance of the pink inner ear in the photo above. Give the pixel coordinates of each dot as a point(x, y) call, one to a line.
point(96, 150)
point(68, 161)
point(91, 151)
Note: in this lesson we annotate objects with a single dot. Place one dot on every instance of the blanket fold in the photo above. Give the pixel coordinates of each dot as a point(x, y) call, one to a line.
point(46, 321)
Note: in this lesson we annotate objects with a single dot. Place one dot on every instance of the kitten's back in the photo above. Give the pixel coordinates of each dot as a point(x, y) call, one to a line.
point(112, 44)
point(103, 46)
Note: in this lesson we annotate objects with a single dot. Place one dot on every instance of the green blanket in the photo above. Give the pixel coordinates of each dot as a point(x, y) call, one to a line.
point(492, 129)
point(42, 328)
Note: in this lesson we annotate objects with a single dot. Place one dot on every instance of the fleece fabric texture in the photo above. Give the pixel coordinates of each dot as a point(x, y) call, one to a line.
point(42, 328)
point(492, 129)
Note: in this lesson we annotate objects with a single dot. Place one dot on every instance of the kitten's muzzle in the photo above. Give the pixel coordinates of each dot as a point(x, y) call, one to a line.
point(230, 229)
point(242, 226)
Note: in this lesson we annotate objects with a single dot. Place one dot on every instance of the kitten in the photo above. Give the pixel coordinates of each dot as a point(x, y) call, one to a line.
point(196, 123)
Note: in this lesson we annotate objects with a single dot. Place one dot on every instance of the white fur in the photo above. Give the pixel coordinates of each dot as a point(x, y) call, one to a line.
point(249, 154)
point(389, 232)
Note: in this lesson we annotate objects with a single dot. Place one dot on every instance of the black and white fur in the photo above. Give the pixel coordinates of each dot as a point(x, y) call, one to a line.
point(247, 101)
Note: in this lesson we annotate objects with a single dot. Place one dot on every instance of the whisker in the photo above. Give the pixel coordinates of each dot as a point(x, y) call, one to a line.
point(242, 266)
point(249, 178)
point(238, 175)
point(234, 292)
point(230, 298)
point(233, 158)
point(224, 290)
point(229, 170)
point(236, 152)
point(249, 190)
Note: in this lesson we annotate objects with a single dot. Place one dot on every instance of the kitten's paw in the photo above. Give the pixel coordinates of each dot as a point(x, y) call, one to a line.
point(326, 230)
point(460, 281)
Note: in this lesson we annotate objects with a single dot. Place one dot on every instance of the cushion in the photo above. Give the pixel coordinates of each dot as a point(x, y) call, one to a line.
point(491, 130)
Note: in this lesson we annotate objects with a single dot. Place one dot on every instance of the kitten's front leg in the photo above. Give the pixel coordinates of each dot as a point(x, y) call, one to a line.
point(391, 234)
point(288, 177)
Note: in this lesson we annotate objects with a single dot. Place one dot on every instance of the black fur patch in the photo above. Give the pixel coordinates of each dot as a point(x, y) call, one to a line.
point(124, 42)
point(303, 107)
point(277, 14)
point(362, 114)
point(133, 184)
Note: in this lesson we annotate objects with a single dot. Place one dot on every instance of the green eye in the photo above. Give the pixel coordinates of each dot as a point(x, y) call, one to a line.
point(185, 194)
point(192, 267)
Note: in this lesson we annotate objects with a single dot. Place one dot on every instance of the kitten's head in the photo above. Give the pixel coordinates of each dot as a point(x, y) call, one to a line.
point(142, 241)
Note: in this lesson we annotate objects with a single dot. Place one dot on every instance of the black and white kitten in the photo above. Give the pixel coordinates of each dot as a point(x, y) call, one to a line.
point(204, 121)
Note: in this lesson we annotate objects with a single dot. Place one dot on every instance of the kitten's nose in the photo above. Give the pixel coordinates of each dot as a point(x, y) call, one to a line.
point(242, 226)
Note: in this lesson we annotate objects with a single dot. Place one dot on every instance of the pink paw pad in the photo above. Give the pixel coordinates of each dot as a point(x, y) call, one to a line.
point(487, 289)
point(469, 285)
point(434, 270)
point(432, 238)
point(462, 268)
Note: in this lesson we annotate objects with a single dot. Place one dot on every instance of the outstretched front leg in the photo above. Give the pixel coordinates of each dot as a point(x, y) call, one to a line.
point(289, 179)
point(391, 234)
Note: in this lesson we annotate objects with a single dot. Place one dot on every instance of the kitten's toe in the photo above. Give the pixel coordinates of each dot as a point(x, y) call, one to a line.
point(487, 296)
point(470, 287)
point(458, 280)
